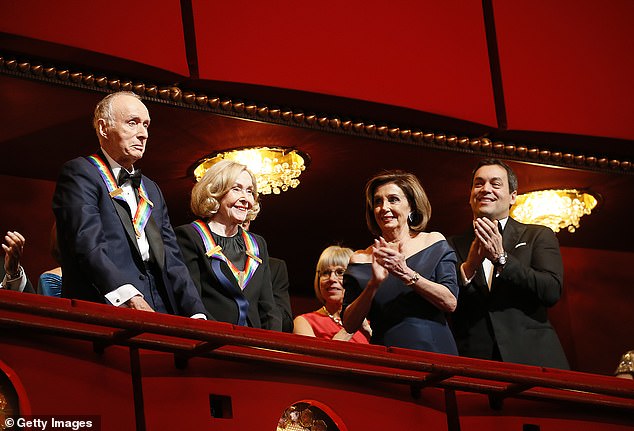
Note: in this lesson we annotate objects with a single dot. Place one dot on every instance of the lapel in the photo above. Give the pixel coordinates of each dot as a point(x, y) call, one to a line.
point(225, 276)
point(226, 280)
point(512, 234)
point(213, 251)
point(153, 234)
point(123, 210)
point(152, 230)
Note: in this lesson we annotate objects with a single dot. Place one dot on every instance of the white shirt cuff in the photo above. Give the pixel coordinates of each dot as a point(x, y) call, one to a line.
point(122, 294)
point(463, 276)
point(200, 316)
point(18, 283)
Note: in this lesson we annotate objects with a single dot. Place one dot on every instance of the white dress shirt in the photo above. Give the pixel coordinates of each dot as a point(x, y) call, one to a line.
point(124, 293)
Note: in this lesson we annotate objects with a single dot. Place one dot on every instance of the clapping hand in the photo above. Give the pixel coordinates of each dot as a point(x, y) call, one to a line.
point(489, 238)
point(390, 257)
point(13, 248)
point(379, 272)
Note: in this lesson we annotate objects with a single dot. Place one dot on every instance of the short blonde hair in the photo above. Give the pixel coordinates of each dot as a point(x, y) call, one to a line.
point(331, 256)
point(217, 181)
point(414, 192)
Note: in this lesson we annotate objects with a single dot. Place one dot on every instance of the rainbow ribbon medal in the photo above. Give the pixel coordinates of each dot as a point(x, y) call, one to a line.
point(213, 250)
point(144, 207)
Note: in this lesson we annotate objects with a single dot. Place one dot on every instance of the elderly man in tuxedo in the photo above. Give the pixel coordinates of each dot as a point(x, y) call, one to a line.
point(12, 276)
point(115, 237)
point(509, 274)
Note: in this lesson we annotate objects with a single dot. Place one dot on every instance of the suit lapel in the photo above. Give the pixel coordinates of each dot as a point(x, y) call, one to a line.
point(512, 234)
point(230, 279)
point(230, 285)
point(155, 240)
point(123, 210)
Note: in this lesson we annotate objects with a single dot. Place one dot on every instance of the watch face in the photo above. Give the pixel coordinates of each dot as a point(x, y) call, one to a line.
point(502, 259)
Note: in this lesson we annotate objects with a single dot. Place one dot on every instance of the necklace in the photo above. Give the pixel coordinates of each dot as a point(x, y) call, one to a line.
point(335, 319)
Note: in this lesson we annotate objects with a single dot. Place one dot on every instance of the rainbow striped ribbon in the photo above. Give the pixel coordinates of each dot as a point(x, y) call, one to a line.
point(144, 206)
point(213, 250)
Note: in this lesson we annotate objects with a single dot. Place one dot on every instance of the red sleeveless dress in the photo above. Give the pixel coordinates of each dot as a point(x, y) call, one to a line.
point(324, 327)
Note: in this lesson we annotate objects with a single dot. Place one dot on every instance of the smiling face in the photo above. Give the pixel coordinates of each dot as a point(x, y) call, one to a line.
point(125, 138)
point(490, 194)
point(236, 203)
point(331, 284)
point(391, 207)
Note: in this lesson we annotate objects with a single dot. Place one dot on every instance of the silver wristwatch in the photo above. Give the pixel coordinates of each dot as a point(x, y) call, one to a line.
point(501, 259)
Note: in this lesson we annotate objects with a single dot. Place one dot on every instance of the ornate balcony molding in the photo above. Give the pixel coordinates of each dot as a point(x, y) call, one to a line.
point(296, 117)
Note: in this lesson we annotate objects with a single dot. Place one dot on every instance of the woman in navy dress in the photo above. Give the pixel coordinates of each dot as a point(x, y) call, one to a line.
point(405, 283)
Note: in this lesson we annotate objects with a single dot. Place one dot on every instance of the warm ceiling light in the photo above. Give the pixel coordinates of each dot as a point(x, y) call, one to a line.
point(275, 168)
point(553, 208)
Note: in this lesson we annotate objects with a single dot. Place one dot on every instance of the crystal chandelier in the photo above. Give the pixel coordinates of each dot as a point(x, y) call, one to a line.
point(304, 417)
point(275, 168)
point(555, 209)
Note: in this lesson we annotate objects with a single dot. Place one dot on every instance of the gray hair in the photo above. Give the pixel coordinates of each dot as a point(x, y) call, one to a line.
point(103, 110)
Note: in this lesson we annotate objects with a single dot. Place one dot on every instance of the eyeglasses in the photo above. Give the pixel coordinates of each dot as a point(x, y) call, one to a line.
point(325, 274)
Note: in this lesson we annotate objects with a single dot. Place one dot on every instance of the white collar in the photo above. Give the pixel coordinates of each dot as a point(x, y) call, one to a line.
point(116, 167)
point(503, 222)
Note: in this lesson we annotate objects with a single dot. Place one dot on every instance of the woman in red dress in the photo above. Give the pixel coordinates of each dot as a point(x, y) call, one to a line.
point(326, 322)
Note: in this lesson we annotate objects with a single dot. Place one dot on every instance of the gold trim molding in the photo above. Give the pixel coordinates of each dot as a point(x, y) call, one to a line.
point(173, 95)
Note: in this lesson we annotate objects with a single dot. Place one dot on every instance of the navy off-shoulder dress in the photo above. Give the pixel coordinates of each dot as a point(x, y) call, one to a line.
point(401, 317)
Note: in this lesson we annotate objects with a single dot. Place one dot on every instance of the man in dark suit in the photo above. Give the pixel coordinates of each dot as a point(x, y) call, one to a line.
point(12, 276)
point(115, 237)
point(509, 274)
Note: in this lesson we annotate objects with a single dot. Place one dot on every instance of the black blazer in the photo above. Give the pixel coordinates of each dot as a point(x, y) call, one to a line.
point(513, 314)
point(98, 245)
point(220, 304)
point(279, 280)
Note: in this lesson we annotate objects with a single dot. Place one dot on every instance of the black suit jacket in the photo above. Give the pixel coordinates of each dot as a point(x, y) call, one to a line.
point(28, 288)
point(513, 314)
point(279, 280)
point(220, 304)
point(98, 245)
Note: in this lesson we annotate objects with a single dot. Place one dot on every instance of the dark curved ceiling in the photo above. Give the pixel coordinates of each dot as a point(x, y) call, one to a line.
point(529, 74)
